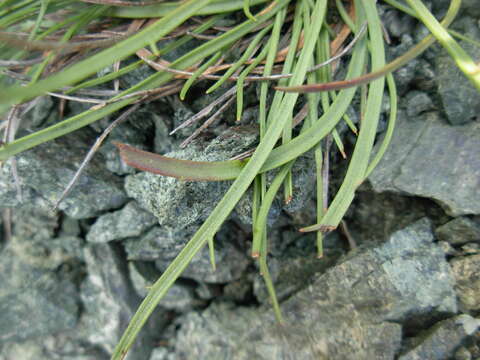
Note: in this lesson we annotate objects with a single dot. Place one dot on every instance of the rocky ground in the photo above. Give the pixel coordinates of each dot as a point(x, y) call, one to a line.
point(403, 283)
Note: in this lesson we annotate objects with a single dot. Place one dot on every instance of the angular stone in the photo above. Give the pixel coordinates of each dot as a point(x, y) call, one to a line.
point(431, 159)
point(441, 341)
point(466, 271)
point(48, 168)
point(180, 296)
point(230, 262)
point(459, 231)
point(121, 224)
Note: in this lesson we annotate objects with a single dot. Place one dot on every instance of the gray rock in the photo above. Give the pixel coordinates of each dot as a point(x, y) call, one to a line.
point(353, 308)
point(459, 231)
point(110, 301)
point(49, 167)
point(406, 74)
point(128, 222)
point(431, 159)
point(471, 249)
point(163, 142)
point(47, 307)
point(418, 102)
point(467, 275)
point(294, 270)
point(58, 347)
point(180, 297)
point(36, 117)
point(230, 262)
point(37, 297)
point(460, 99)
point(441, 341)
point(127, 134)
point(178, 204)
point(158, 242)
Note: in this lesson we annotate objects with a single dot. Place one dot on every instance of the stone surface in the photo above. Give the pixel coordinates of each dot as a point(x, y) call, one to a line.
point(128, 222)
point(460, 99)
point(418, 102)
point(230, 261)
point(459, 231)
point(431, 159)
point(180, 296)
point(353, 308)
point(110, 301)
point(163, 245)
point(178, 204)
point(38, 296)
point(48, 169)
point(441, 341)
point(467, 275)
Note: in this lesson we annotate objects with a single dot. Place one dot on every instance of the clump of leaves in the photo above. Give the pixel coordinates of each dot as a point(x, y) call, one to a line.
point(57, 47)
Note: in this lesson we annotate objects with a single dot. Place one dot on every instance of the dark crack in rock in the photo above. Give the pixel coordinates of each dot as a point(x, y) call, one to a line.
point(441, 341)
point(466, 271)
point(425, 150)
point(128, 222)
point(350, 309)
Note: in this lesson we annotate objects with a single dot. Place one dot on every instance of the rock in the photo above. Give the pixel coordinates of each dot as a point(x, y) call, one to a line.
point(48, 169)
point(44, 308)
point(352, 308)
point(426, 150)
point(128, 222)
point(179, 204)
point(471, 249)
point(156, 242)
point(441, 341)
point(127, 134)
point(38, 293)
point(459, 97)
point(163, 142)
point(230, 261)
point(418, 102)
point(459, 231)
point(406, 74)
point(295, 269)
point(110, 301)
point(38, 115)
point(180, 296)
point(59, 347)
point(466, 271)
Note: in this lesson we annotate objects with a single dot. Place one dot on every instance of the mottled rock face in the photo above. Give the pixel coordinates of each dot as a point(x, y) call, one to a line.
point(432, 159)
point(466, 272)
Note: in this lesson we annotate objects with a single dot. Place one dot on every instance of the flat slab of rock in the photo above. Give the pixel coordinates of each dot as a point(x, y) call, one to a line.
point(429, 158)
point(353, 308)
